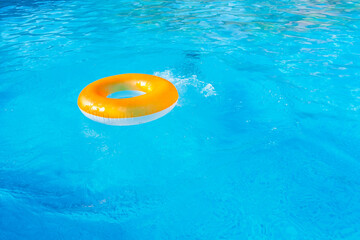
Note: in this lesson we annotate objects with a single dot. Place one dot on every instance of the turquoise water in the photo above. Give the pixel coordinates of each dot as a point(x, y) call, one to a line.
point(263, 144)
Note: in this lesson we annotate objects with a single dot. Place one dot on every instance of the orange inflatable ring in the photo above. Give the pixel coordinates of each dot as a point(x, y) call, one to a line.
point(159, 99)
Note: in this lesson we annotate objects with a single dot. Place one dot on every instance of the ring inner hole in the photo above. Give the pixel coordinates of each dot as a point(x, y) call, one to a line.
point(126, 94)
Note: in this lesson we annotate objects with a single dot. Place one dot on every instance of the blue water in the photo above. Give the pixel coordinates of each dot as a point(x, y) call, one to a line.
point(263, 144)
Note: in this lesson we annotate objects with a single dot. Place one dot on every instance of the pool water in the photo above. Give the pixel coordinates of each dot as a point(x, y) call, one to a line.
point(263, 143)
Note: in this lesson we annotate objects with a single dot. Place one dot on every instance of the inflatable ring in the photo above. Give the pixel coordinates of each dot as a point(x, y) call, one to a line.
point(159, 99)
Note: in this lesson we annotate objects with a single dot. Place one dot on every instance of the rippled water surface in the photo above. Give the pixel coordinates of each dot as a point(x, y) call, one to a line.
point(263, 144)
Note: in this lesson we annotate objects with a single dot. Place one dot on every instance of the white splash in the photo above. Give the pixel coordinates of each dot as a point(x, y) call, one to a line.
point(91, 133)
point(182, 82)
point(208, 90)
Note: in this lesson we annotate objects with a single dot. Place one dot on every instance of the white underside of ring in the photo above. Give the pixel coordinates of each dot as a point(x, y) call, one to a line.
point(129, 121)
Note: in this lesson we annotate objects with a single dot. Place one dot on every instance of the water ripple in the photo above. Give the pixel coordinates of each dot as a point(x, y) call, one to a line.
point(262, 145)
